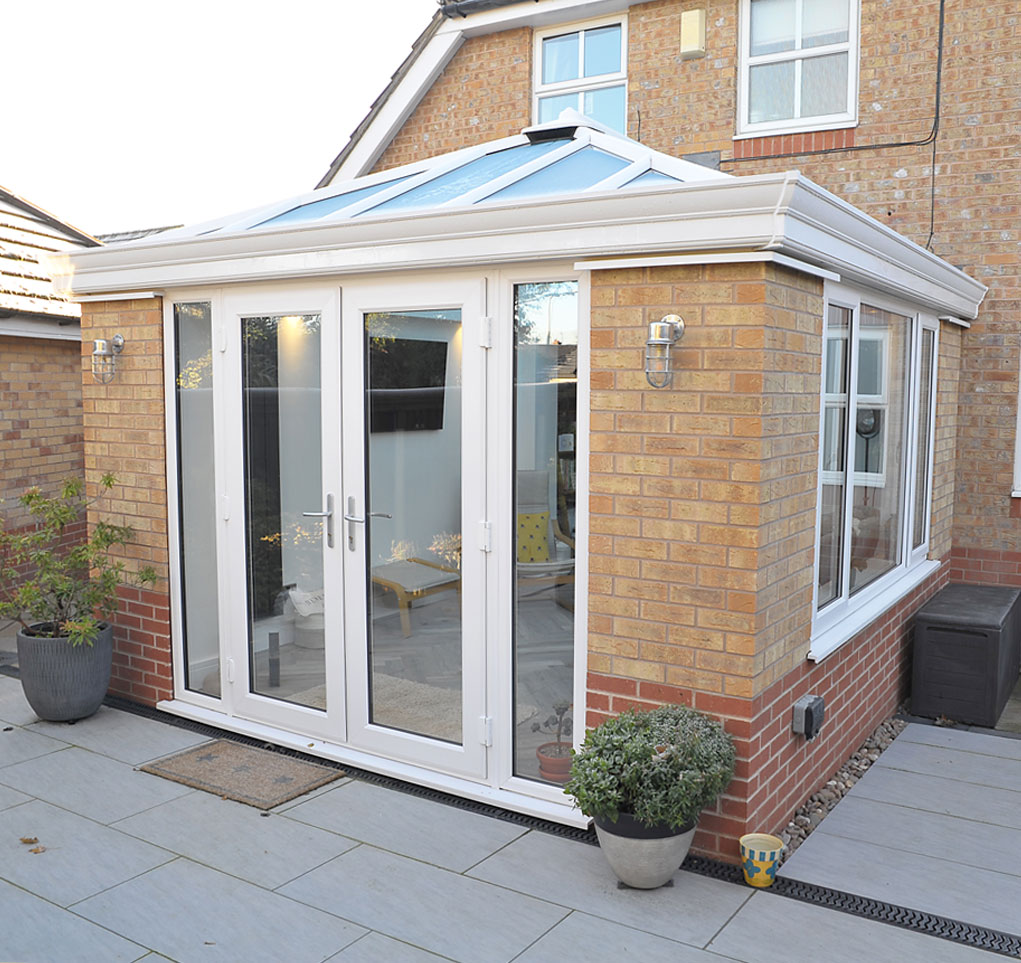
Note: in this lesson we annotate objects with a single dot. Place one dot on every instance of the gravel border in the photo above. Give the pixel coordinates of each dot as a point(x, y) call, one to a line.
point(814, 810)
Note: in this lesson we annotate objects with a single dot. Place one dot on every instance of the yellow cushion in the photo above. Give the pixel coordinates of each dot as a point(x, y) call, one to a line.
point(533, 537)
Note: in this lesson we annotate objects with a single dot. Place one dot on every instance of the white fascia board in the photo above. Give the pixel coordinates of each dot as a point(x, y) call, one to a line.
point(821, 228)
point(400, 104)
point(46, 330)
point(548, 14)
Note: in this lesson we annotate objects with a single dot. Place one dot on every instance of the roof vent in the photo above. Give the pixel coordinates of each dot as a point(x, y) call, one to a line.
point(565, 126)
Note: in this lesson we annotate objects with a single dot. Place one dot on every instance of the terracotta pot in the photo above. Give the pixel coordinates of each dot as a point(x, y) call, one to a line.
point(644, 857)
point(553, 766)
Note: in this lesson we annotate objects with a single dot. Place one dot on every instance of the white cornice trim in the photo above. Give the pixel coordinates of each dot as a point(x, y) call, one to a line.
point(118, 296)
point(731, 257)
point(46, 330)
point(399, 106)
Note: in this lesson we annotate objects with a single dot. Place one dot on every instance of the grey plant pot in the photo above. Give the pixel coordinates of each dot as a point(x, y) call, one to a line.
point(63, 682)
point(642, 857)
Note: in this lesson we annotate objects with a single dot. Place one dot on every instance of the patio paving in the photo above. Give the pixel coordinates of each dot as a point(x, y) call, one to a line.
point(136, 867)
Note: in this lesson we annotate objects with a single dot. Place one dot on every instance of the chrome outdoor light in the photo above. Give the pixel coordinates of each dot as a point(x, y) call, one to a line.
point(104, 358)
point(662, 335)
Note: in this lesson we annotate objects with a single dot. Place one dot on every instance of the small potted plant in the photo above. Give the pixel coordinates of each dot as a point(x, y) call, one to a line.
point(644, 777)
point(555, 757)
point(62, 595)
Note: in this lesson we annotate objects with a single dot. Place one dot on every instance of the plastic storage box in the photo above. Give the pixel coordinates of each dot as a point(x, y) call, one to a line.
point(967, 652)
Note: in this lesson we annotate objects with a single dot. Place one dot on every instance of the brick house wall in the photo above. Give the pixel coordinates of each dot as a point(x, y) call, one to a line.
point(124, 434)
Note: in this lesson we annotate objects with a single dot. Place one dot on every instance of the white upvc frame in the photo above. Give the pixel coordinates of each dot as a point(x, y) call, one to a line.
point(796, 124)
point(844, 616)
point(581, 84)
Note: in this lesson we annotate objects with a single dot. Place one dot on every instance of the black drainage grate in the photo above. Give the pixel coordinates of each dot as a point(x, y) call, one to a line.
point(910, 919)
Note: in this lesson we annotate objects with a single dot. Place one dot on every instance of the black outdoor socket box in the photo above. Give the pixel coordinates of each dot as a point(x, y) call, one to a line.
point(808, 715)
point(967, 653)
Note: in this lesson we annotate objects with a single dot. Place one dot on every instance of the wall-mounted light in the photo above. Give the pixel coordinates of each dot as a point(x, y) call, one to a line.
point(104, 358)
point(662, 335)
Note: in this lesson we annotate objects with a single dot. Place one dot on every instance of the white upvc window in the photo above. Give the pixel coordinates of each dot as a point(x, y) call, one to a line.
point(582, 67)
point(875, 461)
point(798, 66)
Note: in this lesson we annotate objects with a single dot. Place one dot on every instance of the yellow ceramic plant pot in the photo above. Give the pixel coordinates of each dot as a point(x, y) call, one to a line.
point(760, 855)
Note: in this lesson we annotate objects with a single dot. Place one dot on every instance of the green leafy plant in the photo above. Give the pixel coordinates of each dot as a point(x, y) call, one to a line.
point(663, 766)
point(55, 590)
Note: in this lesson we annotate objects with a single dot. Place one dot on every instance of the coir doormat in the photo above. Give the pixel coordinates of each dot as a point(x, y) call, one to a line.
point(256, 777)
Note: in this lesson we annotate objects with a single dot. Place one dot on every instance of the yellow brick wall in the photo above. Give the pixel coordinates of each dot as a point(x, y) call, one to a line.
point(124, 426)
point(40, 418)
point(944, 448)
point(703, 494)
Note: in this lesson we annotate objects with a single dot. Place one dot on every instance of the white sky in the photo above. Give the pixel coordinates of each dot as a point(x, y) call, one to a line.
point(124, 114)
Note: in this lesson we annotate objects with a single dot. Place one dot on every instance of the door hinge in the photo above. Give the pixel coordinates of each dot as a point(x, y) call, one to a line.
point(230, 671)
point(486, 332)
point(225, 508)
point(221, 338)
point(486, 536)
point(486, 731)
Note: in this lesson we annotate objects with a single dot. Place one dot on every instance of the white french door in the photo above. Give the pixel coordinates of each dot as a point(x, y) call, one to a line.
point(413, 529)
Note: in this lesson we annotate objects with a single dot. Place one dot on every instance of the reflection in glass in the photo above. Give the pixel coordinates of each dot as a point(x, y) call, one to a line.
point(606, 105)
point(922, 441)
point(602, 50)
point(834, 448)
point(772, 26)
point(545, 450)
point(283, 479)
point(560, 58)
point(824, 22)
point(550, 108)
point(879, 430)
point(193, 341)
point(413, 480)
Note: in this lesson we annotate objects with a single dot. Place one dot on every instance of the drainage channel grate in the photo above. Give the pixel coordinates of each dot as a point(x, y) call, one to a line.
point(872, 909)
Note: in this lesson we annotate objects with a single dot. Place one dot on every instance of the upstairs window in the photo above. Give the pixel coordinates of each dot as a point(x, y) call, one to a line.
point(583, 69)
point(798, 65)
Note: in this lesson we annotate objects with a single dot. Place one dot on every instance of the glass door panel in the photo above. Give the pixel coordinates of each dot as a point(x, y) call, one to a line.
point(414, 496)
point(413, 480)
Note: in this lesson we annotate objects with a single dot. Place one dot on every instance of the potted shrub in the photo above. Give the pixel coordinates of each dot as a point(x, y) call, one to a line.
point(61, 595)
point(555, 757)
point(644, 777)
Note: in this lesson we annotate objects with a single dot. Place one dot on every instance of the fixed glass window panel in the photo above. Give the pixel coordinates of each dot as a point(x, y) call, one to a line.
point(771, 92)
point(773, 26)
point(560, 58)
point(871, 364)
point(834, 445)
point(824, 22)
point(193, 383)
point(924, 428)
point(545, 481)
point(877, 503)
point(461, 180)
point(281, 400)
point(606, 105)
point(413, 512)
point(602, 50)
point(329, 205)
point(824, 85)
point(575, 172)
point(552, 106)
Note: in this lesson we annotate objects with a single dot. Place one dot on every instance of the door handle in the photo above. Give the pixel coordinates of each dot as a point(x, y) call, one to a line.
point(328, 515)
point(352, 519)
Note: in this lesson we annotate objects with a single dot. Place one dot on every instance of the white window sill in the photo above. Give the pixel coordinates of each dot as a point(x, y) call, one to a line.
point(828, 641)
point(798, 129)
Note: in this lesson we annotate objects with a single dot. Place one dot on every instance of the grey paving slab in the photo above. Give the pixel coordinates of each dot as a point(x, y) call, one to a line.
point(14, 708)
point(236, 839)
point(770, 927)
point(1001, 807)
point(957, 839)
point(928, 883)
point(576, 875)
point(408, 825)
point(36, 931)
point(17, 745)
point(957, 764)
point(80, 857)
point(979, 742)
point(90, 784)
point(9, 797)
point(123, 736)
point(189, 912)
point(584, 937)
point(440, 911)
point(376, 948)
